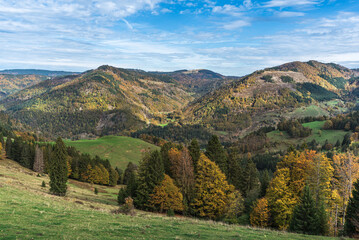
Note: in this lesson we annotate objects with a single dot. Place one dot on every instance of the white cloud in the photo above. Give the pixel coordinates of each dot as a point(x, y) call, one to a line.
point(236, 24)
point(291, 3)
point(290, 14)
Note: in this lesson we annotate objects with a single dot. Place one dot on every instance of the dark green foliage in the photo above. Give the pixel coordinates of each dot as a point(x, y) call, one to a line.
point(113, 176)
point(316, 92)
point(8, 147)
point(294, 128)
point(150, 174)
point(165, 157)
point(287, 79)
point(15, 152)
point(96, 191)
point(234, 170)
point(194, 151)
point(337, 82)
point(58, 169)
point(131, 169)
point(43, 184)
point(307, 218)
point(25, 158)
point(120, 175)
point(216, 153)
point(264, 177)
point(170, 213)
point(267, 78)
point(176, 133)
point(351, 225)
point(249, 184)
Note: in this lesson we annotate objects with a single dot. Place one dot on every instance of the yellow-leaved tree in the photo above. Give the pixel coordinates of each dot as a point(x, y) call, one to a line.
point(166, 196)
point(260, 214)
point(213, 193)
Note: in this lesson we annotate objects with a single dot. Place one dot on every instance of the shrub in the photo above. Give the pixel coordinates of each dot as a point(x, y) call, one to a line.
point(267, 78)
point(43, 184)
point(96, 191)
point(170, 213)
point(127, 208)
point(287, 79)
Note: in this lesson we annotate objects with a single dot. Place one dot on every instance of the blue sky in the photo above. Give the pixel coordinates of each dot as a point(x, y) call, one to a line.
point(230, 37)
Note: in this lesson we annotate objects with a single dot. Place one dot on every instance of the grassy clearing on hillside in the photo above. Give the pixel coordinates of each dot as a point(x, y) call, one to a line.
point(29, 212)
point(310, 111)
point(119, 150)
point(284, 140)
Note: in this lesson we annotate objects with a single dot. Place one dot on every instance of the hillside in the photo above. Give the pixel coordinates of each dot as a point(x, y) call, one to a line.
point(119, 150)
point(41, 72)
point(29, 212)
point(201, 81)
point(263, 97)
point(103, 101)
point(10, 83)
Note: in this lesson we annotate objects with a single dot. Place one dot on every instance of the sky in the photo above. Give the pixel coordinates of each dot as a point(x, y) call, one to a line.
point(230, 37)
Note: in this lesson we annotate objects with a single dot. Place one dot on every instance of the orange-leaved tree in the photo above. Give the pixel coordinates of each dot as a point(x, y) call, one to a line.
point(260, 214)
point(213, 193)
point(166, 196)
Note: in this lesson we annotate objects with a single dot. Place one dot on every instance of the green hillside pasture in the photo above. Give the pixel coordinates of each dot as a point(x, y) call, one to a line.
point(283, 140)
point(119, 150)
point(29, 212)
point(310, 111)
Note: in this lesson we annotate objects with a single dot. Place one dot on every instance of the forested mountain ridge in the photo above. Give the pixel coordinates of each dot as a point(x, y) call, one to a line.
point(41, 72)
point(263, 97)
point(201, 81)
point(101, 101)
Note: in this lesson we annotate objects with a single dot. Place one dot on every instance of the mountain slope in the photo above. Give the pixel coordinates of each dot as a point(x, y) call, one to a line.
point(263, 97)
point(102, 101)
point(47, 73)
point(201, 81)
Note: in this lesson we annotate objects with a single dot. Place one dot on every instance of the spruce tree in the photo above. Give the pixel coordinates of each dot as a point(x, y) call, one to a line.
point(120, 175)
point(351, 225)
point(25, 156)
point(234, 170)
point(305, 217)
point(165, 157)
point(131, 167)
point(150, 174)
point(215, 152)
point(8, 147)
point(58, 169)
point(195, 152)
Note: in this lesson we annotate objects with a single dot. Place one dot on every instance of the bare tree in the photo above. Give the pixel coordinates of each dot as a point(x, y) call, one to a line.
point(39, 165)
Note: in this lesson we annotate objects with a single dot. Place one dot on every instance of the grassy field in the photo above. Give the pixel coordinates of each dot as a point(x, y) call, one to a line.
point(28, 212)
point(310, 111)
point(119, 150)
point(283, 140)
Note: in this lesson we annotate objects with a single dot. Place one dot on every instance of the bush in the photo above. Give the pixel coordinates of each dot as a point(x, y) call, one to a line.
point(267, 78)
point(170, 213)
point(128, 207)
point(43, 184)
point(287, 79)
point(96, 191)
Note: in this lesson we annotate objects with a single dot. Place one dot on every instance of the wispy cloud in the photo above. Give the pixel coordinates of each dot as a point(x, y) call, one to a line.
point(290, 14)
point(291, 3)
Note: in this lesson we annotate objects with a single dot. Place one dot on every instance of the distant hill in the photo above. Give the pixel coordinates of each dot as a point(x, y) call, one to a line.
point(37, 72)
point(103, 101)
point(200, 81)
point(263, 97)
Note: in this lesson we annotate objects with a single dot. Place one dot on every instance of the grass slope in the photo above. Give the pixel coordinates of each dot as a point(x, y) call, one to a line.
point(283, 140)
point(119, 150)
point(29, 212)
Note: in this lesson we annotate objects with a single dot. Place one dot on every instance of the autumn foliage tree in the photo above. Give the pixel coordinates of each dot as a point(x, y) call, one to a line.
point(260, 214)
point(166, 196)
point(213, 193)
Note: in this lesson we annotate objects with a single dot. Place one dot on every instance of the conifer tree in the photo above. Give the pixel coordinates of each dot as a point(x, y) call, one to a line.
point(351, 227)
point(39, 165)
point(58, 169)
point(25, 156)
point(234, 170)
point(249, 181)
point(150, 174)
point(215, 152)
point(195, 152)
point(8, 147)
point(166, 158)
point(305, 217)
point(113, 176)
point(120, 175)
point(131, 168)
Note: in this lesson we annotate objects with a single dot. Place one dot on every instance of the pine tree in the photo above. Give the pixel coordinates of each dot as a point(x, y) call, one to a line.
point(215, 152)
point(195, 152)
point(150, 174)
point(165, 157)
point(305, 217)
point(213, 193)
point(8, 147)
point(249, 181)
point(131, 168)
point(113, 176)
point(15, 153)
point(58, 169)
point(25, 156)
point(120, 175)
point(351, 227)
point(234, 170)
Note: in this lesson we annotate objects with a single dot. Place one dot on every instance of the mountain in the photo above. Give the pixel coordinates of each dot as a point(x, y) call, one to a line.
point(103, 101)
point(200, 81)
point(37, 72)
point(10, 83)
point(263, 97)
